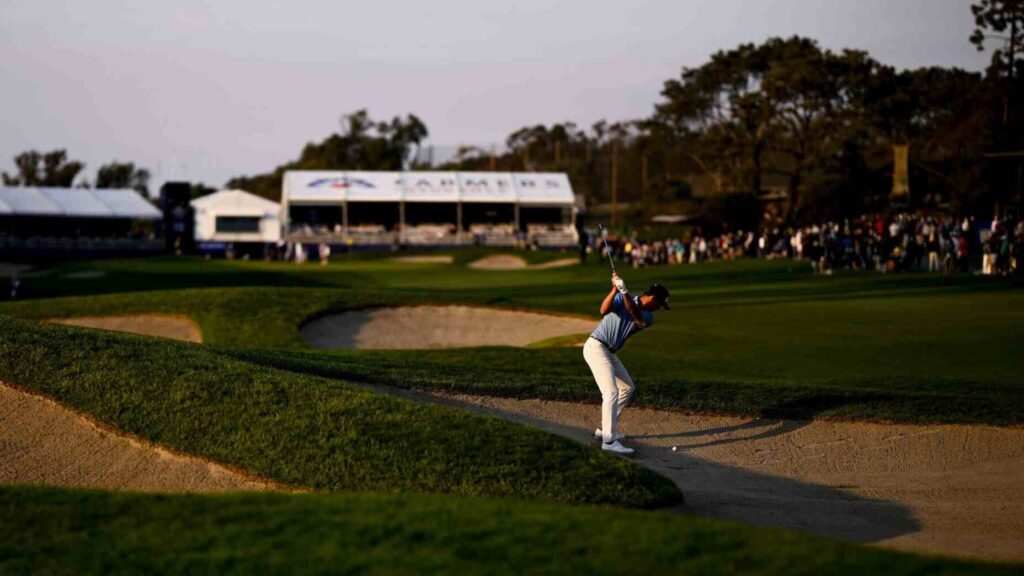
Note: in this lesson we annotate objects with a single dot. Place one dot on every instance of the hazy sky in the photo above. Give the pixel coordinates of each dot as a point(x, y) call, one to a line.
point(207, 90)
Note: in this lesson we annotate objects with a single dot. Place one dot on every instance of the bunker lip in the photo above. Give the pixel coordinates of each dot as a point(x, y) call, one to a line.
point(159, 325)
point(45, 442)
point(513, 262)
point(433, 326)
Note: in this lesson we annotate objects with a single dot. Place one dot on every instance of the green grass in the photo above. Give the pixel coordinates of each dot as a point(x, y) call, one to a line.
point(82, 532)
point(308, 431)
point(745, 337)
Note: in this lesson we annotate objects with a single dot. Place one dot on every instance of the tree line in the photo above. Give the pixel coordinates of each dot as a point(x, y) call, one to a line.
point(785, 126)
point(55, 169)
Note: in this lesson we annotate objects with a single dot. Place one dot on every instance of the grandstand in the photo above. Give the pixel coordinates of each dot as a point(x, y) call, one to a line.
point(41, 223)
point(429, 208)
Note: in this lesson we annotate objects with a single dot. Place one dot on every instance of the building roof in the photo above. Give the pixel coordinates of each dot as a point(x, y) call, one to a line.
point(76, 203)
point(533, 188)
point(237, 203)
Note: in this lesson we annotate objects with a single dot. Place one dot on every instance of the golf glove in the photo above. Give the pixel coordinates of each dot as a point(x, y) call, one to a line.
point(620, 285)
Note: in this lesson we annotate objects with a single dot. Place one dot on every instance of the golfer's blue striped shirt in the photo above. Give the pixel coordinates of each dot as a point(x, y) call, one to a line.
point(617, 325)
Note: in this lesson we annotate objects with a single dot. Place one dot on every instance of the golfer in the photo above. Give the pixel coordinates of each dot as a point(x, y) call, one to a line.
point(624, 315)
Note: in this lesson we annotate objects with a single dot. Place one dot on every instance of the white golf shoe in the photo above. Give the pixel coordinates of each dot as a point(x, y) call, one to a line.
point(616, 447)
point(618, 436)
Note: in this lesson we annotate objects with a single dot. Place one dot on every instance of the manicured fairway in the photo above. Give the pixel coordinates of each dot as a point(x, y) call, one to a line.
point(745, 337)
point(76, 532)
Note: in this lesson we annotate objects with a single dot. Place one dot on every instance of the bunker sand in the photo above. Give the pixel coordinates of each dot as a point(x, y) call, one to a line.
point(510, 262)
point(42, 442)
point(163, 326)
point(417, 327)
point(439, 259)
point(944, 489)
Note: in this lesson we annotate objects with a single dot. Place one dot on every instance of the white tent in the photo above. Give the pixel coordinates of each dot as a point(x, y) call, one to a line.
point(76, 203)
point(236, 216)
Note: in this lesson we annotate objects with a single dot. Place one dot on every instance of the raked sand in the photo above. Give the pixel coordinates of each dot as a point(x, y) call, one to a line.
point(942, 489)
point(163, 326)
point(415, 327)
point(42, 442)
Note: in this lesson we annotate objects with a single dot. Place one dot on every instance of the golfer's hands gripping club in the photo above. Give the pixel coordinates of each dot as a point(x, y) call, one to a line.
point(619, 284)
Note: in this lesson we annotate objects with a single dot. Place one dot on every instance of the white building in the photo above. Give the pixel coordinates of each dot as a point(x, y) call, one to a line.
point(237, 216)
point(428, 208)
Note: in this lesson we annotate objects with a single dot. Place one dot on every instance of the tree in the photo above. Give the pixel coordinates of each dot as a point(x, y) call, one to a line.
point(43, 169)
point(123, 175)
point(721, 109)
point(362, 144)
point(1001, 20)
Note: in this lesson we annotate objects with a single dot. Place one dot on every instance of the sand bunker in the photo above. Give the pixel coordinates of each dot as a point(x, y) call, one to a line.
point(441, 259)
point(510, 262)
point(173, 327)
point(416, 327)
point(42, 442)
point(952, 490)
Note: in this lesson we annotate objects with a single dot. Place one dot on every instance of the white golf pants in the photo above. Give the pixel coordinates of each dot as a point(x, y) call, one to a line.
point(613, 380)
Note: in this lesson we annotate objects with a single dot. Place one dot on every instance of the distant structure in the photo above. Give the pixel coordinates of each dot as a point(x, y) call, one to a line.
point(58, 223)
point(429, 208)
point(178, 217)
point(237, 219)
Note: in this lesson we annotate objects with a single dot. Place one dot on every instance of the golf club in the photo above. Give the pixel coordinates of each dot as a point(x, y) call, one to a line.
point(607, 249)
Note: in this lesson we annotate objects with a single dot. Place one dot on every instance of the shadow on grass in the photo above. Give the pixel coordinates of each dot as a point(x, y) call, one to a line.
point(716, 490)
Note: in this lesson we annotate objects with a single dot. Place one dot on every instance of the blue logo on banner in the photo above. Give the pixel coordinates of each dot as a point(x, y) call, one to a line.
point(343, 182)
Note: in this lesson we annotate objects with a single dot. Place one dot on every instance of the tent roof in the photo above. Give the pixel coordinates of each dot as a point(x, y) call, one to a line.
point(237, 202)
point(76, 203)
point(544, 188)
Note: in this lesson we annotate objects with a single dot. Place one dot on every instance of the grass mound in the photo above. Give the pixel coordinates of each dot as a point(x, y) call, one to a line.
point(309, 431)
point(83, 532)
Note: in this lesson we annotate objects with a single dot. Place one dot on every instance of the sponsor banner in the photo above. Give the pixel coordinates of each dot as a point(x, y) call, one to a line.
point(486, 187)
point(543, 188)
point(315, 186)
point(373, 186)
point(430, 187)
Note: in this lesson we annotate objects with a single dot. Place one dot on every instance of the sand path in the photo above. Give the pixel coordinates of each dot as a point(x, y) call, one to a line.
point(42, 442)
point(416, 327)
point(511, 262)
point(163, 326)
point(953, 490)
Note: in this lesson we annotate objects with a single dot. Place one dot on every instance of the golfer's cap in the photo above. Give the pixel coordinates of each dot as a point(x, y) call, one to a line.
point(661, 293)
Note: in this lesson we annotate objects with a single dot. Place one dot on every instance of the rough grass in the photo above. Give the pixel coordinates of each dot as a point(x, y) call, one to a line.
point(82, 532)
point(308, 431)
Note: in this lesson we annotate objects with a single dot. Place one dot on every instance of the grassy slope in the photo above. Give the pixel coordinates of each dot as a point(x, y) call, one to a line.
point(308, 431)
point(77, 532)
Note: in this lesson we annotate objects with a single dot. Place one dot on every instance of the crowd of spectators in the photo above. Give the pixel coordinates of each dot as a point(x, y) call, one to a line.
point(903, 242)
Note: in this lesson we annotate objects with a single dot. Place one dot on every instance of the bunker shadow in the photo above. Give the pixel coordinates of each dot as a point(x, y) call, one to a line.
point(720, 491)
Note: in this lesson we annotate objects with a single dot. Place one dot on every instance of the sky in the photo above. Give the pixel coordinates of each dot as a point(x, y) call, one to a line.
point(204, 91)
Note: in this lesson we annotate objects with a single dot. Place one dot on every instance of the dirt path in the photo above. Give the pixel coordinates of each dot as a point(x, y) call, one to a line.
point(42, 442)
point(512, 262)
point(416, 327)
point(163, 326)
point(953, 490)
